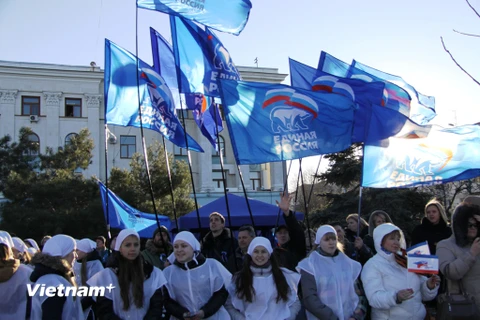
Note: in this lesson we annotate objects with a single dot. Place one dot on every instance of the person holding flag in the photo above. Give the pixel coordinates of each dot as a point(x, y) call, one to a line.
point(392, 291)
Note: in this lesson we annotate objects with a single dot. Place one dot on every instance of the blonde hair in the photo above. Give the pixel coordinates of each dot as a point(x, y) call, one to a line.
point(354, 216)
point(440, 208)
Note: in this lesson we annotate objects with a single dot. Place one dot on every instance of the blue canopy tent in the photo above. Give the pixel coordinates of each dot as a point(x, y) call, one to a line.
point(264, 214)
point(123, 216)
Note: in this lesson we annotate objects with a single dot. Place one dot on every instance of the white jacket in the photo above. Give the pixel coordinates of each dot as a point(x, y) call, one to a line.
point(382, 278)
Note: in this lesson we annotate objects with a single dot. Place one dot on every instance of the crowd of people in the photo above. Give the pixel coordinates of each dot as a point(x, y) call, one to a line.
point(353, 270)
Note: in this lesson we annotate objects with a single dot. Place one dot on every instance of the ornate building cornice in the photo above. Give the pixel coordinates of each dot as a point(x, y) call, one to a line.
point(52, 98)
point(8, 96)
point(93, 100)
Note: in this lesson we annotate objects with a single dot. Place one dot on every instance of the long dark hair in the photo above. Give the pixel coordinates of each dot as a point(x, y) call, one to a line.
point(130, 272)
point(244, 280)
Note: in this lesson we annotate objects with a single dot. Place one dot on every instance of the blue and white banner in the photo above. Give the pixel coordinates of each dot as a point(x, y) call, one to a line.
point(127, 86)
point(274, 122)
point(423, 264)
point(201, 58)
point(423, 155)
point(223, 15)
point(123, 216)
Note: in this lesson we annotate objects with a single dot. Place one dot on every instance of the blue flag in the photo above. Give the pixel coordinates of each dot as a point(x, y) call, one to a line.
point(301, 75)
point(422, 107)
point(201, 58)
point(223, 15)
point(164, 63)
point(367, 95)
point(395, 98)
point(206, 115)
point(122, 92)
point(123, 216)
point(276, 122)
point(423, 155)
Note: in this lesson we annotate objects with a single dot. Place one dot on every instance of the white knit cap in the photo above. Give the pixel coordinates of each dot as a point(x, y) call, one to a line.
point(6, 239)
point(33, 243)
point(323, 230)
point(123, 235)
point(32, 251)
point(59, 245)
point(260, 241)
point(189, 238)
point(86, 245)
point(19, 244)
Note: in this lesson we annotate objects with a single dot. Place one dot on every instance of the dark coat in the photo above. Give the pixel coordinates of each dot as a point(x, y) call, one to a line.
point(235, 261)
point(431, 233)
point(290, 253)
point(46, 264)
point(220, 247)
point(350, 235)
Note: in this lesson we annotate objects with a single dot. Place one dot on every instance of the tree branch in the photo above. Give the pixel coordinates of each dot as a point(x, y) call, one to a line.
point(478, 15)
point(467, 34)
point(458, 65)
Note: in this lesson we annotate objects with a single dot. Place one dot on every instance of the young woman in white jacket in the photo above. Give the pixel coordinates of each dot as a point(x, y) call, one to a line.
point(392, 291)
point(261, 289)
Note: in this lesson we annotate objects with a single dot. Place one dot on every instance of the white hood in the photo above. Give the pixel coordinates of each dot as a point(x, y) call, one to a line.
point(381, 231)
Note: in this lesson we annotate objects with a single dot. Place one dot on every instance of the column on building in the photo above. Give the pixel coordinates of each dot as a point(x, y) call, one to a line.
point(52, 113)
point(7, 112)
point(277, 175)
point(93, 124)
point(245, 169)
point(204, 167)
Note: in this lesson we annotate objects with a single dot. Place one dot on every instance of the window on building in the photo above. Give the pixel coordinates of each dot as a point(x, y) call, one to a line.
point(221, 148)
point(255, 180)
point(222, 112)
point(73, 107)
point(69, 137)
point(35, 145)
point(128, 146)
point(218, 179)
point(180, 153)
point(30, 106)
point(184, 112)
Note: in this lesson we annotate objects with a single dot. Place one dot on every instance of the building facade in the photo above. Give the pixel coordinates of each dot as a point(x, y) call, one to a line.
point(57, 101)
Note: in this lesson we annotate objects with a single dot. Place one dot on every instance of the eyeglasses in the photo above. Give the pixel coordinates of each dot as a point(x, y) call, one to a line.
point(473, 225)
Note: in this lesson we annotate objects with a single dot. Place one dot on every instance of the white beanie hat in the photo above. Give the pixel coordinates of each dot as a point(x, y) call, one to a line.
point(323, 230)
point(6, 239)
point(33, 243)
point(59, 246)
point(86, 245)
point(32, 251)
point(260, 241)
point(19, 244)
point(189, 238)
point(123, 235)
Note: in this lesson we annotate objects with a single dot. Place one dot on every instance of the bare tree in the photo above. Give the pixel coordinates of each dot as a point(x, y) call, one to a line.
point(465, 34)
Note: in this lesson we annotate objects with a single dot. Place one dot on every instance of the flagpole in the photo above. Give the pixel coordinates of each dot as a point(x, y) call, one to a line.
point(310, 196)
point(174, 40)
point(224, 179)
point(144, 146)
point(285, 189)
point(109, 236)
point(246, 196)
point(306, 204)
